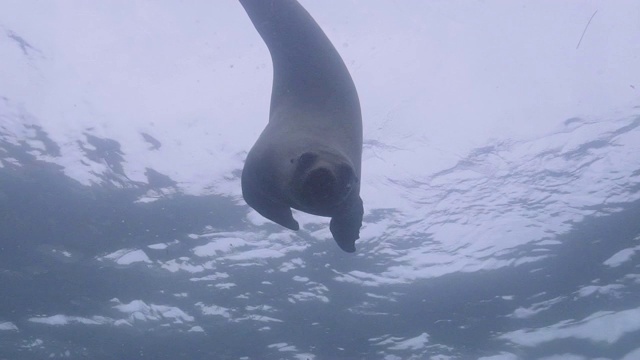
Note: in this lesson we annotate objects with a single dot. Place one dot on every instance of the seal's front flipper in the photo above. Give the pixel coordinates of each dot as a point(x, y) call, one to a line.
point(280, 214)
point(345, 226)
point(276, 212)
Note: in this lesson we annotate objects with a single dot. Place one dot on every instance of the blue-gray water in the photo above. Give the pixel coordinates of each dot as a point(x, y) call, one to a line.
point(523, 250)
point(123, 235)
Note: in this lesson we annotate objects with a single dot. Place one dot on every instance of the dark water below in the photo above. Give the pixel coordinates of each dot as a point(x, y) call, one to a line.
point(522, 251)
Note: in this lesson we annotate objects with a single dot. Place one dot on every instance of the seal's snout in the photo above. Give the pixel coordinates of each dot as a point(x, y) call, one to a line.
point(323, 182)
point(320, 188)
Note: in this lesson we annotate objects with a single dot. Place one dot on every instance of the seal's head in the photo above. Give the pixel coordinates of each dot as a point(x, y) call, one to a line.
point(322, 182)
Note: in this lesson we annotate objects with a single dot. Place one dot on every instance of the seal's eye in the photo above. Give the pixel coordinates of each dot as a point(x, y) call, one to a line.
point(306, 160)
point(308, 157)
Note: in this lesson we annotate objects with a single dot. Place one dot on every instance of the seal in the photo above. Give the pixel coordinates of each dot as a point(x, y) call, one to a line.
point(309, 155)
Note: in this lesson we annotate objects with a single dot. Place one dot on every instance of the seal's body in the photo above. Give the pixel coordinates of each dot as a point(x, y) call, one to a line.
point(308, 157)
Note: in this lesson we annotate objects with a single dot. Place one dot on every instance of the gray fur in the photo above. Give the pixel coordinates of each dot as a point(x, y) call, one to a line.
point(308, 156)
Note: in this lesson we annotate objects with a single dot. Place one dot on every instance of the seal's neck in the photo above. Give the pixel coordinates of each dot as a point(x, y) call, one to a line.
point(307, 67)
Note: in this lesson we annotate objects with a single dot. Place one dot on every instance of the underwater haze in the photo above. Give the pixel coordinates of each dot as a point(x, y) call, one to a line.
point(500, 179)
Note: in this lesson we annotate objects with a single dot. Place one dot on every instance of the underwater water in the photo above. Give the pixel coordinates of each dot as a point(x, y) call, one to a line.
point(521, 250)
point(123, 233)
